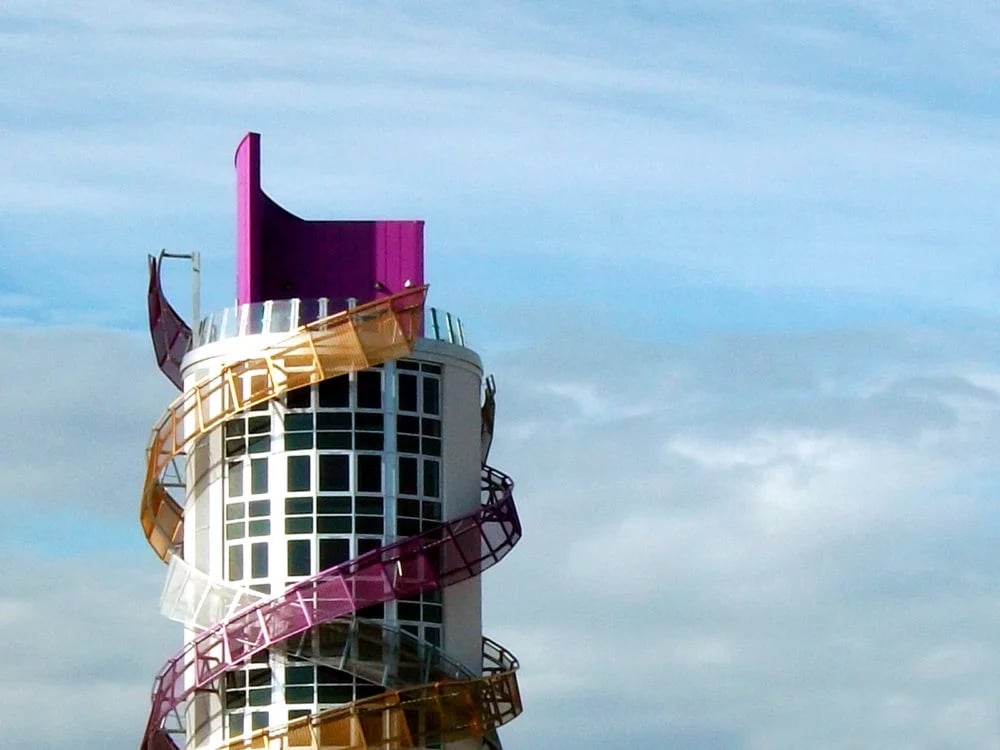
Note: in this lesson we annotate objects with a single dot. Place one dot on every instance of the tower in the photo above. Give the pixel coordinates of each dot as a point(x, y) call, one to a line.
point(320, 493)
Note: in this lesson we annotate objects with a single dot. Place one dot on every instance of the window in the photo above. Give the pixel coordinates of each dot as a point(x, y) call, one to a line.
point(334, 393)
point(370, 389)
point(246, 692)
point(247, 518)
point(334, 551)
point(299, 473)
point(247, 434)
point(334, 473)
point(369, 473)
point(422, 617)
point(236, 477)
point(299, 557)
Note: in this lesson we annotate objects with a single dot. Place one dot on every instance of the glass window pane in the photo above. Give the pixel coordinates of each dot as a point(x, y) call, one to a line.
point(298, 473)
point(259, 444)
point(333, 552)
point(258, 677)
point(408, 611)
point(369, 473)
point(334, 473)
point(259, 425)
point(333, 393)
point(301, 525)
point(431, 446)
point(333, 505)
point(235, 447)
point(298, 422)
point(367, 545)
point(235, 511)
point(260, 508)
point(369, 506)
point(299, 557)
point(258, 560)
point(407, 476)
point(432, 396)
point(236, 563)
point(333, 525)
point(299, 675)
point(338, 420)
point(235, 530)
point(408, 444)
point(432, 479)
point(407, 526)
point(369, 422)
point(298, 441)
point(300, 398)
point(298, 505)
point(369, 441)
point(260, 528)
point(335, 440)
point(370, 389)
point(407, 392)
point(258, 476)
point(299, 694)
point(409, 425)
point(408, 508)
point(368, 525)
point(334, 694)
point(235, 471)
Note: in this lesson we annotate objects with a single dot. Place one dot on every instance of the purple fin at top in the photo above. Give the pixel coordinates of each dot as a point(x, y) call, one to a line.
point(171, 335)
point(280, 256)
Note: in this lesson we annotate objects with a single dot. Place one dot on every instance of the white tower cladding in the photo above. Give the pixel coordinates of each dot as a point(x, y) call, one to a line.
point(326, 534)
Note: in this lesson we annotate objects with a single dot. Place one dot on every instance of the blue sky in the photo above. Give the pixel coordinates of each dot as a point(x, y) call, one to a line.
point(733, 264)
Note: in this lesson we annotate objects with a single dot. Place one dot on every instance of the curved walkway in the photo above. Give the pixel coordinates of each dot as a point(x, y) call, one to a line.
point(458, 549)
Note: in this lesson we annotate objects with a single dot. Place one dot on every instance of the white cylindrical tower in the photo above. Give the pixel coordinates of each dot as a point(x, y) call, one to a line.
point(319, 476)
point(320, 492)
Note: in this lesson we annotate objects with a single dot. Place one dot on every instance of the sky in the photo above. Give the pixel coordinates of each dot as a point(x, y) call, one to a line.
point(732, 263)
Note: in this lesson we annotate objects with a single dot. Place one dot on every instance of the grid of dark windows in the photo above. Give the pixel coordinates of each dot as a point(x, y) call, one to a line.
point(358, 520)
point(329, 508)
point(418, 399)
point(422, 617)
point(246, 694)
point(308, 683)
point(247, 519)
point(337, 393)
point(363, 431)
point(247, 433)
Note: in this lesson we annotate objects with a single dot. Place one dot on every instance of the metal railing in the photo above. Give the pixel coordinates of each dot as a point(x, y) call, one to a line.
point(288, 315)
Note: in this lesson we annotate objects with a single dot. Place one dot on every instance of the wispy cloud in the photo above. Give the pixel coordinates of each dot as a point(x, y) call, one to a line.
point(732, 263)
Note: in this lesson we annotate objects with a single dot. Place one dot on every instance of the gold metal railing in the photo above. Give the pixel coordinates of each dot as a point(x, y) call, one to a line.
point(410, 717)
